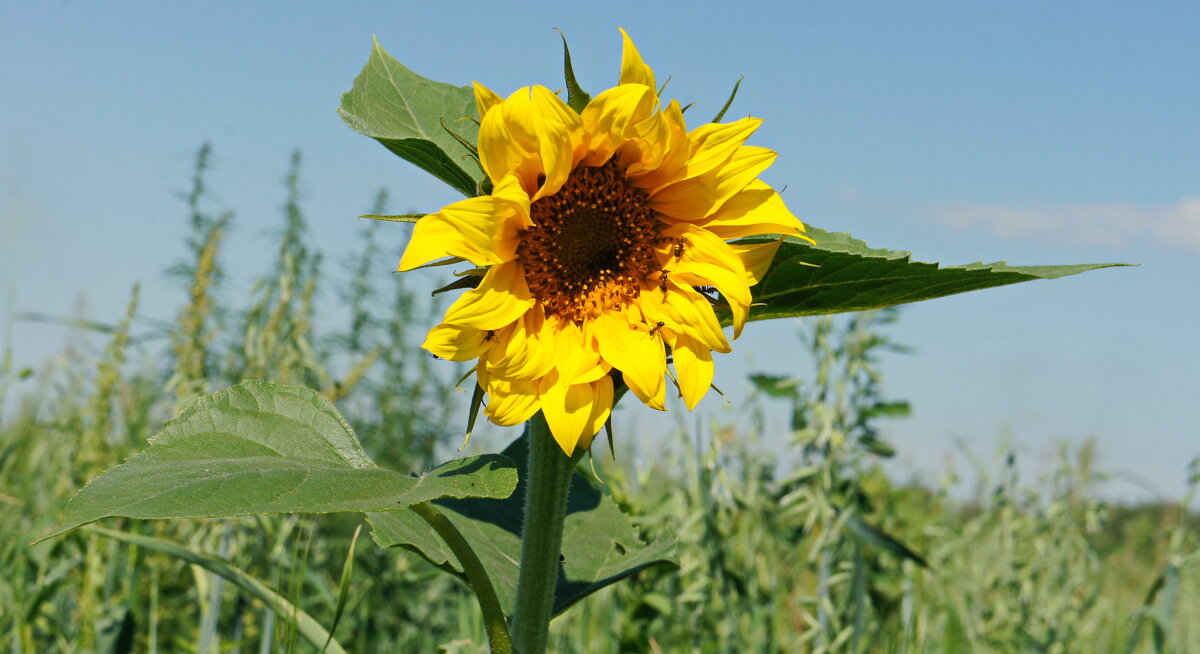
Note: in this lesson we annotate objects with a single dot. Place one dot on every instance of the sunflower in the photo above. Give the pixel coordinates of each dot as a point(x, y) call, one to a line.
point(603, 245)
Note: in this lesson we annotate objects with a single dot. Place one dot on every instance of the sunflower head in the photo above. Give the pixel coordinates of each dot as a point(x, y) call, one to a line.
point(603, 246)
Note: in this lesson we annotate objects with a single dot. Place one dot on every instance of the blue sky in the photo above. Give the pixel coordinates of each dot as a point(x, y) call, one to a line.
point(1023, 131)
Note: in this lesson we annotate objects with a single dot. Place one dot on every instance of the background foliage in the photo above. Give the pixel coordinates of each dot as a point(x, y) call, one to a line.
point(809, 549)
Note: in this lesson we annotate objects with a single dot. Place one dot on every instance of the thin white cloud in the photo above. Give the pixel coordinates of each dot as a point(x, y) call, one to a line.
point(1176, 227)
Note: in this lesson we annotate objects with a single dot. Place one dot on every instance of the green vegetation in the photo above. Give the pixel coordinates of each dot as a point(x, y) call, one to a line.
point(821, 552)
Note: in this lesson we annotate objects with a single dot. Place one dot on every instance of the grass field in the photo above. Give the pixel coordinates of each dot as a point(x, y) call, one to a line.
point(828, 555)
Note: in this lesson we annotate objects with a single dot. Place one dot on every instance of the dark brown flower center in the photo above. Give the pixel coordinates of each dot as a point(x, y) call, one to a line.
point(591, 244)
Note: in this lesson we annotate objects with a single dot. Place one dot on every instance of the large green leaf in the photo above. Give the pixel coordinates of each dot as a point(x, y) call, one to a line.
point(840, 273)
point(600, 546)
point(266, 448)
point(405, 112)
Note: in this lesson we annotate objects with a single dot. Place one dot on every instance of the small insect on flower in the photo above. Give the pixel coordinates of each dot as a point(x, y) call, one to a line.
point(587, 210)
point(679, 247)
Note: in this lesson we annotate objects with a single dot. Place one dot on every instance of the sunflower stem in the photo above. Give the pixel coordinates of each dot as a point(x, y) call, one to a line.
point(546, 487)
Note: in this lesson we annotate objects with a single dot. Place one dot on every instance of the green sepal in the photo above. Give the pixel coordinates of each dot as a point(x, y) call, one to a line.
point(399, 218)
point(468, 281)
point(471, 148)
point(733, 94)
point(472, 413)
point(577, 98)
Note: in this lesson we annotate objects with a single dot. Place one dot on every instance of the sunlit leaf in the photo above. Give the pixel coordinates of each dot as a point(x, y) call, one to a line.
point(840, 273)
point(266, 448)
point(405, 112)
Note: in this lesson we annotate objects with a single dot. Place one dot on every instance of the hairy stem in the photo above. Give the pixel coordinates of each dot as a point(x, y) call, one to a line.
point(548, 481)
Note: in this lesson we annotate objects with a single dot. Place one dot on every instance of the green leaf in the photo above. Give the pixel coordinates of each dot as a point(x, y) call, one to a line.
point(343, 587)
point(115, 629)
point(776, 385)
point(877, 447)
point(305, 625)
point(840, 273)
point(600, 546)
point(888, 410)
point(404, 112)
point(871, 535)
point(266, 448)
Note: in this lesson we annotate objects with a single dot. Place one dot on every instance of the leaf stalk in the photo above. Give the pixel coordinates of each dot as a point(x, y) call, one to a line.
point(493, 614)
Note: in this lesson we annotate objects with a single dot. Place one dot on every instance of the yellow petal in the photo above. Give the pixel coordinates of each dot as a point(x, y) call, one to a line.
point(485, 99)
point(575, 354)
point(714, 144)
point(708, 261)
point(512, 219)
point(684, 310)
point(434, 237)
point(638, 354)
point(503, 151)
point(509, 189)
point(483, 230)
point(756, 258)
point(757, 209)
point(456, 342)
point(700, 252)
point(501, 297)
point(509, 403)
point(731, 283)
point(540, 122)
point(697, 197)
point(694, 368)
point(633, 69)
point(571, 411)
point(610, 115)
point(522, 355)
point(647, 143)
point(658, 149)
point(601, 408)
